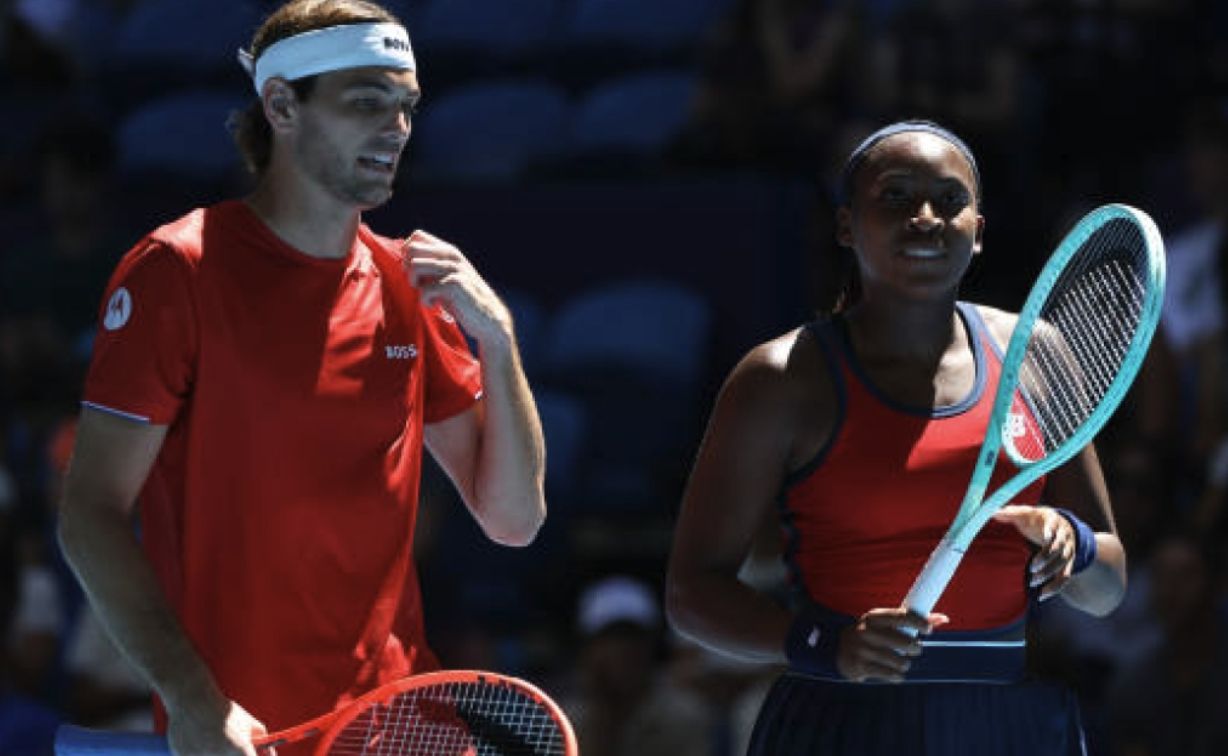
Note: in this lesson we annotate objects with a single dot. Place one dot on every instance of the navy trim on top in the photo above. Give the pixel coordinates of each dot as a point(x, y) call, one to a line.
point(974, 327)
point(822, 331)
point(978, 324)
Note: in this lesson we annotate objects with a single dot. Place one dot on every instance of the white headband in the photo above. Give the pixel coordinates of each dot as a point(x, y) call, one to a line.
point(331, 49)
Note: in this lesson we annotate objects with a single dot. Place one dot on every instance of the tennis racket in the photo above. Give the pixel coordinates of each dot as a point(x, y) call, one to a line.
point(451, 713)
point(1078, 343)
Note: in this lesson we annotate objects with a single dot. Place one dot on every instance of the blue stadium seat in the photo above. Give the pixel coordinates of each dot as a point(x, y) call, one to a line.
point(194, 33)
point(182, 135)
point(634, 353)
point(647, 25)
point(165, 45)
point(480, 27)
point(636, 114)
point(530, 319)
point(565, 425)
point(655, 329)
point(488, 131)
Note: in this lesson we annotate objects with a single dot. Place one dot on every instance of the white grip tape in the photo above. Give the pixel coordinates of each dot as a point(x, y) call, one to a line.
point(934, 578)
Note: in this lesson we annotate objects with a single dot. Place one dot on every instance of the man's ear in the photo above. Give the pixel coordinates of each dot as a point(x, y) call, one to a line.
point(280, 104)
point(844, 227)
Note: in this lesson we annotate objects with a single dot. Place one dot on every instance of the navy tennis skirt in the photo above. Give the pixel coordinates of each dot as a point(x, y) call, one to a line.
point(809, 716)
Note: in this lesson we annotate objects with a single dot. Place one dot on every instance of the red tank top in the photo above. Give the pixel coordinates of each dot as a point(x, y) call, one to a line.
point(861, 519)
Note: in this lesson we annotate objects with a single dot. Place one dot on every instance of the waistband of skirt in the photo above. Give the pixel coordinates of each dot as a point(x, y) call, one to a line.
point(993, 655)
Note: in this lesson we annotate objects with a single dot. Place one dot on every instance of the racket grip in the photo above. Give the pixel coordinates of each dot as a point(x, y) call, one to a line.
point(934, 577)
point(71, 740)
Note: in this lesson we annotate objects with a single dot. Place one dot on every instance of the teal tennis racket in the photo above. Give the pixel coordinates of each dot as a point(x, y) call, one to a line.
point(1078, 343)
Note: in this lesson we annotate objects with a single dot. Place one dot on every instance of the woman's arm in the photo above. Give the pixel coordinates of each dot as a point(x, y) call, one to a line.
point(739, 470)
point(1077, 486)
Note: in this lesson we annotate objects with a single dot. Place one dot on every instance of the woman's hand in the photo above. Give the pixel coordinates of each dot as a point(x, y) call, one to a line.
point(1054, 537)
point(882, 644)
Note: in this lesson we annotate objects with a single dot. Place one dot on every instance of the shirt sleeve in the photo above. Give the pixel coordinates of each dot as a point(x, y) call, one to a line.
point(453, 374)
point(144, 357)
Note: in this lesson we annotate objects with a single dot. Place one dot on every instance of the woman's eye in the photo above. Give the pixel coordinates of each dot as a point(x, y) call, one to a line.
point(955, 200)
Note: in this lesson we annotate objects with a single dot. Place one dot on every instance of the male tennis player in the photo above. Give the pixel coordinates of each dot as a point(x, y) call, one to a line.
point(266, 373)
point(860, 430)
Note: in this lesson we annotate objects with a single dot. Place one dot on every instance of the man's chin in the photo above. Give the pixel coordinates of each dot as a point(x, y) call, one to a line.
point(369, 199)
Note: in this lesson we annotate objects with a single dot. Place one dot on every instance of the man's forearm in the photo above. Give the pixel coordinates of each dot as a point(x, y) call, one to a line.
point(120, 583)
point(510, 473)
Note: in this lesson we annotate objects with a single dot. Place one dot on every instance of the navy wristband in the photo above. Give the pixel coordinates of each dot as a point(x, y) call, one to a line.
point(813, 642)
point(1085, 541)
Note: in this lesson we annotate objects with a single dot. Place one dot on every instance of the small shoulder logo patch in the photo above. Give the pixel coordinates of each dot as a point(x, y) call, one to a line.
point(119, 309)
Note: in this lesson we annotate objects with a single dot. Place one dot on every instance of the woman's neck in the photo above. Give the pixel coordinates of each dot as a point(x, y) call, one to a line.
point(904, 331)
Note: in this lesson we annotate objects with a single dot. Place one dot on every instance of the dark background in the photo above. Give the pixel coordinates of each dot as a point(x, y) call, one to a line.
point(673, 162)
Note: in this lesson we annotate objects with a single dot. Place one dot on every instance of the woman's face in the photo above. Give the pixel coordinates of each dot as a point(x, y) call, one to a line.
point(913, 218)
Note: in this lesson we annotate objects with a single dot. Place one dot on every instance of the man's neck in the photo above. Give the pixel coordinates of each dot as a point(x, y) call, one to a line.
point(305, 217)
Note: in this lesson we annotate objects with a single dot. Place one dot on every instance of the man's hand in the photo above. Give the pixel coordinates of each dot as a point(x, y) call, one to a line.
point(225, 729)
point(445, 276)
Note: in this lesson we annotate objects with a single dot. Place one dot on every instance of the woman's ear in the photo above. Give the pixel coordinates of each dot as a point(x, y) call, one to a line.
point(980, 232)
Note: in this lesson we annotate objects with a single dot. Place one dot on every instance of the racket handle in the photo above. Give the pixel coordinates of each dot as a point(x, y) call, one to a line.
point(71, 740)
point(934, 578)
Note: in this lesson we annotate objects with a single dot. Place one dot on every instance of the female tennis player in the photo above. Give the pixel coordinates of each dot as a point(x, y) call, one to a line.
point(861, 429)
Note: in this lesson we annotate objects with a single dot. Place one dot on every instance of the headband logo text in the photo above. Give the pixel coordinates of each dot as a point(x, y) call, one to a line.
point(396, 44)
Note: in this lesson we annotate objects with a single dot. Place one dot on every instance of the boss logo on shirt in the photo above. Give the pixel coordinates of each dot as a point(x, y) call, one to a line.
point(401, 351)
point(119, 309)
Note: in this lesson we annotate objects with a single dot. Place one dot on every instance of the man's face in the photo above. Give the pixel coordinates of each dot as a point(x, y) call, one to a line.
point(352, 130)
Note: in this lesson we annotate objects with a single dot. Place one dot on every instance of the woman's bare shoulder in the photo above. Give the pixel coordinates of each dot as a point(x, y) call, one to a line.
point(999, 322)
point(784, 373)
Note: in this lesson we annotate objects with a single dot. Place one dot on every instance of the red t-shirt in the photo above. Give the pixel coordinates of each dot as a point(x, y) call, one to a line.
point(862, 519)
point(279, 513)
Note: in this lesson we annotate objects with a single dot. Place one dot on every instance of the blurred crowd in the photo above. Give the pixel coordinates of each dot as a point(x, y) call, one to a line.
point(1067, 103)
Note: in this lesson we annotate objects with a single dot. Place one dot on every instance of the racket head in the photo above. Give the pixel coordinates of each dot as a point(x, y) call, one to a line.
point(1082, 335)
point(1076, 347)
point(451, 713)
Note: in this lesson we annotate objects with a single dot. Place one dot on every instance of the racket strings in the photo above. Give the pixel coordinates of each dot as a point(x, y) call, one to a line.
point(1082, 337)
point(454, 719)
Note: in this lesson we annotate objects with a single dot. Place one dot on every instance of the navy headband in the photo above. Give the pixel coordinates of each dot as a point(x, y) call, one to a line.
point(858, 155)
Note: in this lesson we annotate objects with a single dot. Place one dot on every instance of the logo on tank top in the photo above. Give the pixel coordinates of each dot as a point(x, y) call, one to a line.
point(401, 351)
point(119, 309)
point(1016, 425)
